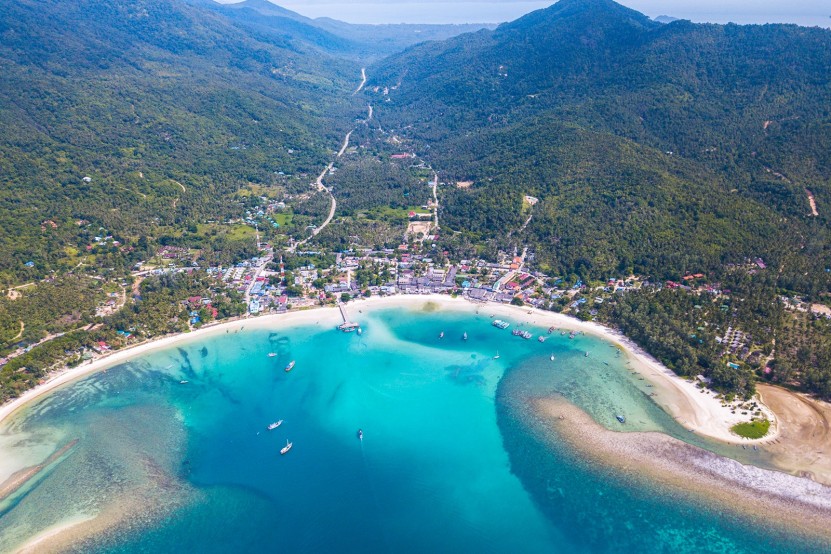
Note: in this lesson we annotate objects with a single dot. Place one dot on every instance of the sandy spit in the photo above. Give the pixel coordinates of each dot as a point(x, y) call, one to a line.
point(799, 504)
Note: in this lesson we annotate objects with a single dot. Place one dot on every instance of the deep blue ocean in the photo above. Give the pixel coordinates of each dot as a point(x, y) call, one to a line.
point(452, 459)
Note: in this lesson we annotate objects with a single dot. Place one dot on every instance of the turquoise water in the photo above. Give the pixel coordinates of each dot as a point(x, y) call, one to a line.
point(451, 460)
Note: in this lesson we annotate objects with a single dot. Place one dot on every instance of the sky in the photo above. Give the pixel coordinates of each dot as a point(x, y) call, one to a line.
point(802, 12)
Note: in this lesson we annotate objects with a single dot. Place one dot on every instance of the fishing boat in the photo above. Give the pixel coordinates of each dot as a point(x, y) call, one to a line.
point(441, 335)
point(286, 448)
point(526, 335)
point(541, 338)
point(464, 337)
point(620, 418)
point(497, 355)
point(360, 434)
point(516, 332)
point(272, 354)
point(551, 330)
point(275, 425)
point(290, 366)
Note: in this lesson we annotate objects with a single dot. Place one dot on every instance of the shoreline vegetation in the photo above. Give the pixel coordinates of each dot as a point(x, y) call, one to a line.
point(800, 501)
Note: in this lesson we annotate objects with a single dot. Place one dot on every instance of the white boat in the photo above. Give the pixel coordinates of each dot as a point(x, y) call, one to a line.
point(464, 337)
point(360, 331)
point(441, 335)
point(183, 382)
point(275, 425)
point(497, 355)
point(360, 434)
point(286, 448)
point(552, 357)
point(541, 338)
point(272, 354)
point(290, 366)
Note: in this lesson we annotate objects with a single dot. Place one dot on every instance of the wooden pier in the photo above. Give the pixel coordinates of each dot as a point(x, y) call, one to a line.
point(347, 326)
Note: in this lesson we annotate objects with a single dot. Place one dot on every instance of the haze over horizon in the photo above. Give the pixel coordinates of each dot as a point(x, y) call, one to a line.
point(809, 13)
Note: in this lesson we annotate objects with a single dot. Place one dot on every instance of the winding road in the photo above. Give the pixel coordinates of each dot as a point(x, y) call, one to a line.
point(322, 187)
point(436, 200)
point(363, 82)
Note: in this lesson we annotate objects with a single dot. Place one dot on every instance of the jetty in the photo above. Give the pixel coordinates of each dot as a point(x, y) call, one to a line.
point(347, 326)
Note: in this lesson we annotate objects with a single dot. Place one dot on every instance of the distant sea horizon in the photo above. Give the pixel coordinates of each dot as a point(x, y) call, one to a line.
point(500, 12)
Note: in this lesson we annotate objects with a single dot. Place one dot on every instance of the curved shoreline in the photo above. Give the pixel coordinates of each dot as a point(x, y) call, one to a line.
point(696, 409)
point(799, 504)
point(680, 398)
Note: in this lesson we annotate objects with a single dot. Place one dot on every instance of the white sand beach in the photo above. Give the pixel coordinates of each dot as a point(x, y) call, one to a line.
point(701, 412)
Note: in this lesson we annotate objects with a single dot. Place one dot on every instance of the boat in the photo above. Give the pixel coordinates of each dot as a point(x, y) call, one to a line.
point(464, 337)
point(290, 366)
point(620, 418)
point(551, 330)
point(587, 354)
point(272, 354)
point(183, 382)
point(286, 448)
point(541, 338)
point(526, 335)
point(275, 425)
point(360, 434)
point(516, 332)
point(571, 335)
point(360, 331)
point(441, 335)
point(500, 324)
point(552, 357)
point(497, 355)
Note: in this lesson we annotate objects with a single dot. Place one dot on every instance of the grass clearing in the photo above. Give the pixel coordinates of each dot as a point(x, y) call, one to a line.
point(752, 429)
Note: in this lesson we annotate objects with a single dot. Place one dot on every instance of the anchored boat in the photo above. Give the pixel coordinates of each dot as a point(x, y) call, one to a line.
point(275, 425)
point(290, 366)
point(286, 448)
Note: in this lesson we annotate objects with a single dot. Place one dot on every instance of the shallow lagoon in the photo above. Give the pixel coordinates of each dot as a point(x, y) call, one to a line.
point(451, 457)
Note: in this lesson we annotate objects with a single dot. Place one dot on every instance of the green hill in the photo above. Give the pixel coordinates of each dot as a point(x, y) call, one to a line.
point(652, 146)
point(154, 101)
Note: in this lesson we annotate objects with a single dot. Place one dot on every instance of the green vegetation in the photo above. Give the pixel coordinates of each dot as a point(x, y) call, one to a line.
point(753, 429)
point(169, 109)
point(655, 150)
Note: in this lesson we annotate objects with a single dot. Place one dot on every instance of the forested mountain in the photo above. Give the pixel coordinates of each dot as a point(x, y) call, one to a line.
point(367, 42)
point(137, 116)
point(662, 148)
